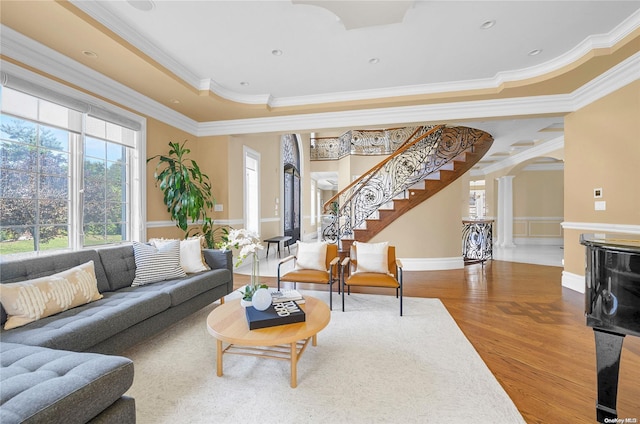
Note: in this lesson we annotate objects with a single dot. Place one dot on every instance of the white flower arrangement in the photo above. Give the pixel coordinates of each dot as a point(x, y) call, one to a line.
point(246, 241)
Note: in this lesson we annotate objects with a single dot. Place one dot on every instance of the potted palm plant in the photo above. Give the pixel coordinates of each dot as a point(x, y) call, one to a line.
point(187, 191)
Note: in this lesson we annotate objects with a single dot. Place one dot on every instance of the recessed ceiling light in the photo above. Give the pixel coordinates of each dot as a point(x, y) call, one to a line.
point(374, 60)
point(488, 24)
point(89, 53)
point(276, 52)
point(244, 83)
point(144, 5)
point(175, 101)
point(534, 52)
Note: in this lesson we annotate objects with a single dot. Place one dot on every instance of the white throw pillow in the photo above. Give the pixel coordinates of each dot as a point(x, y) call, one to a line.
point(311, 256)
point(190, 253)
point(28, 301)
point(372, 257)
point(153, 265)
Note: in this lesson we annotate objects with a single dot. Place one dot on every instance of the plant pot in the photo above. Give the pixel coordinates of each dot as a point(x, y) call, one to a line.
point(245, 303)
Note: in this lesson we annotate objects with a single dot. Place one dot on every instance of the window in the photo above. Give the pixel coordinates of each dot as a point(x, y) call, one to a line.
point(65, 177)
point(477, 203)
point(252, 190)
point(313, 202)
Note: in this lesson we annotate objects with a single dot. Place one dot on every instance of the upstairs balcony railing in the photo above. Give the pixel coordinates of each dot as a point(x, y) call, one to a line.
point(425, 151)
point(360, 142)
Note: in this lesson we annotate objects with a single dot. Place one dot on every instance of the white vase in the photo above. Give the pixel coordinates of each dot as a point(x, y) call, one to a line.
point(245, 303)
point(261, 299)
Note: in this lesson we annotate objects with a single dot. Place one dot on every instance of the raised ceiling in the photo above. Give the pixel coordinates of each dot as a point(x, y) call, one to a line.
point(224, 62)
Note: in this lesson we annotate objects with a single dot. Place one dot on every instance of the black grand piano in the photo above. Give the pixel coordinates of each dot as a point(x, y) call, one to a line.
point(612, 307)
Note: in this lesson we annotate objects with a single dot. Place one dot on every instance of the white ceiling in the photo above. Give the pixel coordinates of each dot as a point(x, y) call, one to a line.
point(327, 48)
point(433, 44)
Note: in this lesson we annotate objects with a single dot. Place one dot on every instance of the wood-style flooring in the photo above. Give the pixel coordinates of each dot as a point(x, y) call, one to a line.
point(531, 333)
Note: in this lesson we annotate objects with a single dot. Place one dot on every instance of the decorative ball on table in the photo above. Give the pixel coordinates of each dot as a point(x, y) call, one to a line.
point(261, 299)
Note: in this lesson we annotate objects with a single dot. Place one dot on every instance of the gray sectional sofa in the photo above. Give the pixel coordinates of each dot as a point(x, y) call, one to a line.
point(61, 364)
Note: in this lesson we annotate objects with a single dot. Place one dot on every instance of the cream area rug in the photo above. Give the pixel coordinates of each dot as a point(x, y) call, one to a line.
point(370, 366)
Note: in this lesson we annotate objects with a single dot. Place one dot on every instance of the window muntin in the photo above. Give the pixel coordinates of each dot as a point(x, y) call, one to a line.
point(105, 191)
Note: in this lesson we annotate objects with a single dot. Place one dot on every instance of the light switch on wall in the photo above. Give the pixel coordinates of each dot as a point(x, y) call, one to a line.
point(601, 205)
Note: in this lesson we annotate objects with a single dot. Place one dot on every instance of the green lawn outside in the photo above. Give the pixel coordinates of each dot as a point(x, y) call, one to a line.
point(24, 246)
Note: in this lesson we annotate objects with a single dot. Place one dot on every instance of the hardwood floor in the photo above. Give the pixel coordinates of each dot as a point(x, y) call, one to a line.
point(530, 332)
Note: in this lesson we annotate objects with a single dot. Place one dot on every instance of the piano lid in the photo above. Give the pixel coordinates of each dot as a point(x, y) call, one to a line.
point(620, 242)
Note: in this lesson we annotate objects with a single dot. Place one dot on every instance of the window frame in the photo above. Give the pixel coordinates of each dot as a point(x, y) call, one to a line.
point(33, 84)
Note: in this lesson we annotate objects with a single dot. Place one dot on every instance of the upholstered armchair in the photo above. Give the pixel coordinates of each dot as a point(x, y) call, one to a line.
point(372, 265)
point(316, 263)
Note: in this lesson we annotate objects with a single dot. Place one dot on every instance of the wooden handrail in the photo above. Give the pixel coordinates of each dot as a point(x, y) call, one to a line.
point(365, 178)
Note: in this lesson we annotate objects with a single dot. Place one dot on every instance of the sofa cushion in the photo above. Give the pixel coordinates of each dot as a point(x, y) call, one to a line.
point(187, 288)
point(80, 328)
point(54, 386)
point(153, 265)
point(119, 266)
point(30, 300)
point(29, 269)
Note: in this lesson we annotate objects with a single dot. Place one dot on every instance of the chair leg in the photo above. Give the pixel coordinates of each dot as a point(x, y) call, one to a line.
point(400, 289)
point(342, 284)
point(330, 294)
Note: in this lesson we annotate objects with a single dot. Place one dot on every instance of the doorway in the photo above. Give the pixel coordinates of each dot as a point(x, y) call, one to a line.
point(291, 165)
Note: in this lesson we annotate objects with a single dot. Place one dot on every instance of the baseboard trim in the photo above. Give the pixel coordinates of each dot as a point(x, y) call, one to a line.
point(432, 264)
point(573, 281)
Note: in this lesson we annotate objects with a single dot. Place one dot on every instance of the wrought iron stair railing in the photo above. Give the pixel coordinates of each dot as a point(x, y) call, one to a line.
point(425, 152)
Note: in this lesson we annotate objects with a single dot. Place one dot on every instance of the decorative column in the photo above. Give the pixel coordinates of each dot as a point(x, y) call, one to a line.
point(505, 211)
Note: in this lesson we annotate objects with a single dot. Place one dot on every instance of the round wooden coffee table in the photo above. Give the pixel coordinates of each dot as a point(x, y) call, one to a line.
point(228, 324)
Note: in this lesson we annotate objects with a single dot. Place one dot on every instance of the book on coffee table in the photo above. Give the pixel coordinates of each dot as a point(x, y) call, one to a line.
point(276, 314)
point(286, 295)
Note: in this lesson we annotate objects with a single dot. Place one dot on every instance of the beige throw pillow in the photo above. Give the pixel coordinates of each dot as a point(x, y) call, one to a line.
point(28, 301)
point(372, 257)
point(190, 253)
point(311, 256)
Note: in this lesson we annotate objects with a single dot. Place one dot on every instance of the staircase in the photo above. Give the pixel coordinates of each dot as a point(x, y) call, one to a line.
point(428, 161)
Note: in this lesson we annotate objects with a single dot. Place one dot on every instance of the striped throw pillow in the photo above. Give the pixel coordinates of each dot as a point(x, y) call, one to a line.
point(153, 265)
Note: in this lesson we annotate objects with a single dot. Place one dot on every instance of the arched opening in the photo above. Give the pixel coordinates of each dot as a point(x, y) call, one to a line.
point(291, 166)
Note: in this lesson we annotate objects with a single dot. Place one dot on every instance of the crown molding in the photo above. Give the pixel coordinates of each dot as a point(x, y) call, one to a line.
point(395, 115)
point(622, 74)
point(592, 42)
point(617, 77)
point(101, 14)
point(38, 56)
point(111, 21)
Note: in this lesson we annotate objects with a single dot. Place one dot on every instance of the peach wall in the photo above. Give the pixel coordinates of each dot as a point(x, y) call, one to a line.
point(538, 194)
point(602, 150)
point(431, 230)
point(268, 146)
